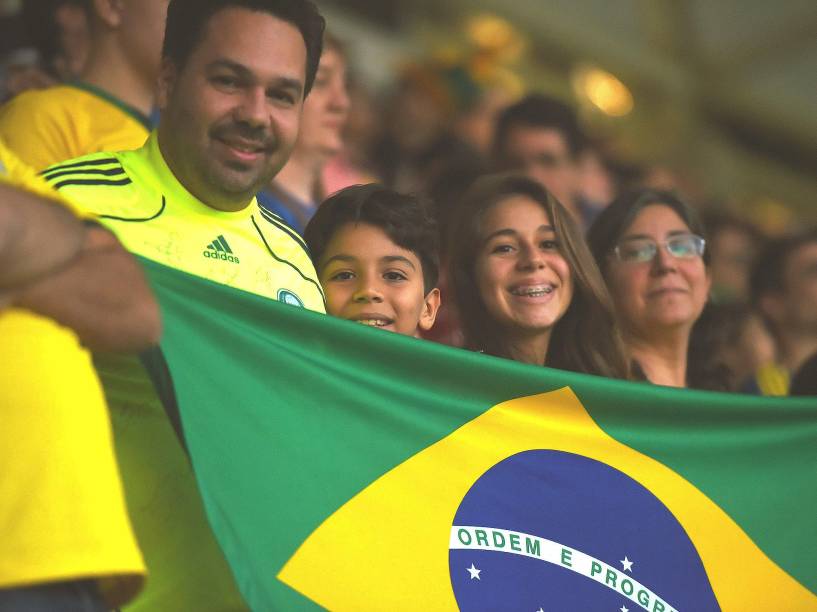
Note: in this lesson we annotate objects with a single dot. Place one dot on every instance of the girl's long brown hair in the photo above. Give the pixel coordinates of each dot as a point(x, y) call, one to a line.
point(586, 338)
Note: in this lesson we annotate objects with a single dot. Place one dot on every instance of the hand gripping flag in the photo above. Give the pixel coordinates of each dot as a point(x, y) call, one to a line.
point(352, 469)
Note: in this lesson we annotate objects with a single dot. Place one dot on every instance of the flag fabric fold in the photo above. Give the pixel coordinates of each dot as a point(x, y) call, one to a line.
point(347, 468)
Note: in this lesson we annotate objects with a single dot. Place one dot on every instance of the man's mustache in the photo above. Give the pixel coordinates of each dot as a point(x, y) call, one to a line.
point(258, 137)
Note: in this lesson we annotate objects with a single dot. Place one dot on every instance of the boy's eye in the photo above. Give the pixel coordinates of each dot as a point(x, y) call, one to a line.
point(394, 275)
point(341, 276)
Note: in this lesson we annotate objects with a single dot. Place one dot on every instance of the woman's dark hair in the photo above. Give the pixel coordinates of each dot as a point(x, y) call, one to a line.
point(610, 226)
point(403, 218)
point(804, 382)
point(613, 221)
point(586, 338)
point(187, 20)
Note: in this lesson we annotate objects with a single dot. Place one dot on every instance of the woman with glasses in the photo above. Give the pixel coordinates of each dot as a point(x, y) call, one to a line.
point(525, 284)
point(649, 247)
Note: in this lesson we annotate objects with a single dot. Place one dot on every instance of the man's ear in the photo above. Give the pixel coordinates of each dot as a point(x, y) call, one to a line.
point(430, 307)
point(168, 74)
point(109, 12)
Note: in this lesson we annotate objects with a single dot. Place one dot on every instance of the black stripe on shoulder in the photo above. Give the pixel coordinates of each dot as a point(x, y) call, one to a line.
point(94, 182)
point(81, 164)
point(289, 263)
point(284, 226)
point(82, 171)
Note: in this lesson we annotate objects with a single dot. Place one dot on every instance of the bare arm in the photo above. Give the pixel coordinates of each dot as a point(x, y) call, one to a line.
point(37, 237)
point(101, 294)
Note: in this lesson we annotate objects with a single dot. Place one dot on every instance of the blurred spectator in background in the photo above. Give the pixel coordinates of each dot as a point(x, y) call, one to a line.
point(541, 137)
point(108, 108)
point(60, 32)
point(525, 283)
point(353, 164)
point(784, 290)
point(735, 340)
point(650, 248)
point(298, 188)
point(733, 245)
point(440, 111)
point(597, 183)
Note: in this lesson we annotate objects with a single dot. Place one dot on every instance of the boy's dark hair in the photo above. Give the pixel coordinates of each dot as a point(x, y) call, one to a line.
point(187, 19)
point(402, 217)
point(539, 111)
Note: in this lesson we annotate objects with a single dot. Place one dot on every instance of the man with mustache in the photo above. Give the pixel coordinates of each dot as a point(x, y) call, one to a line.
point(233, 81)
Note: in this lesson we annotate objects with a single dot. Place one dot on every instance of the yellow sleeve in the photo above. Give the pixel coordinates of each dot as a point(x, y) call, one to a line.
point(17, 174)
point(37, 130)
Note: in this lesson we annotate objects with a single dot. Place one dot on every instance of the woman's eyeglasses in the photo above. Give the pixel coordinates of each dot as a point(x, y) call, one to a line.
point(642, 250)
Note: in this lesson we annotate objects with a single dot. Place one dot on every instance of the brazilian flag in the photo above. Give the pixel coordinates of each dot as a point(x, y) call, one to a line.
point(352, 469)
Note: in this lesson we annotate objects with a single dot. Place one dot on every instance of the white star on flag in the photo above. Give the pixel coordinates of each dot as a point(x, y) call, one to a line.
point(627, 564)
point(540, 610)
point(623, 609)
point(474, 572)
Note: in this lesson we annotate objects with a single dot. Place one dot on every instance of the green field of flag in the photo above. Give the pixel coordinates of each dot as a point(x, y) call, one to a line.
point(352, 469)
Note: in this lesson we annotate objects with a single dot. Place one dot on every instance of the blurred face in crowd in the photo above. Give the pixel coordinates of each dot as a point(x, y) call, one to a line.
point(732, 253)
point(524, 281)
point(231, 113)
point(369, 279)
point(796, 307)
point(667, 292)
point(543, 154)
point(326, 107)
point(72, 22)
point(141, 26)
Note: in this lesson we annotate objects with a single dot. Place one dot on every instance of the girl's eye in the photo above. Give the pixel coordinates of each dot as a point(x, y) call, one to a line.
point(549, 245)
point(502, 248)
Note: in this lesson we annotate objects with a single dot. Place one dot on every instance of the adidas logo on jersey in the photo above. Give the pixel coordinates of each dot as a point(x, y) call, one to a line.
point(219, 249)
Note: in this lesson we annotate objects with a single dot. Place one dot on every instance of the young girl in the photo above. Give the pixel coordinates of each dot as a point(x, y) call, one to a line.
point(525, 284)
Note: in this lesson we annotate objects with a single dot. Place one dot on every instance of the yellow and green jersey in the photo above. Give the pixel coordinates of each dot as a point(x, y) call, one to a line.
point(62, 508)
point(50, 125)
point(136, 195)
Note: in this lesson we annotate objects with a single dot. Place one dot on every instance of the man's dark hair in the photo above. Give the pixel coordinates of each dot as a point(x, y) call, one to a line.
point(187, 20)
point(768, 273)
point(538, 111)
point(404, 219)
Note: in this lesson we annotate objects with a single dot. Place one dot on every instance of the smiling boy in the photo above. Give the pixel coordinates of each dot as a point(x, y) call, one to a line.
point(375, 251)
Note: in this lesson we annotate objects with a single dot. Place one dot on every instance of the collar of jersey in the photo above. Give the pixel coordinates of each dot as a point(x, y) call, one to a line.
point(176, 192)
point(126, 108)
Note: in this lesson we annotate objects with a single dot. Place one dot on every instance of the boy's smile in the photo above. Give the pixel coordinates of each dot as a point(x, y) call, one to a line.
point(369, 279)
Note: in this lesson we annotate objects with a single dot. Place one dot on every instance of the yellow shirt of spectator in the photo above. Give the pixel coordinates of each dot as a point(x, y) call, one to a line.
point(46, 126)
point(62, 510)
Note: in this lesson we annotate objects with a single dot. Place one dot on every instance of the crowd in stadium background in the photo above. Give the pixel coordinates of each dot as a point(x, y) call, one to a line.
point(506, 224)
